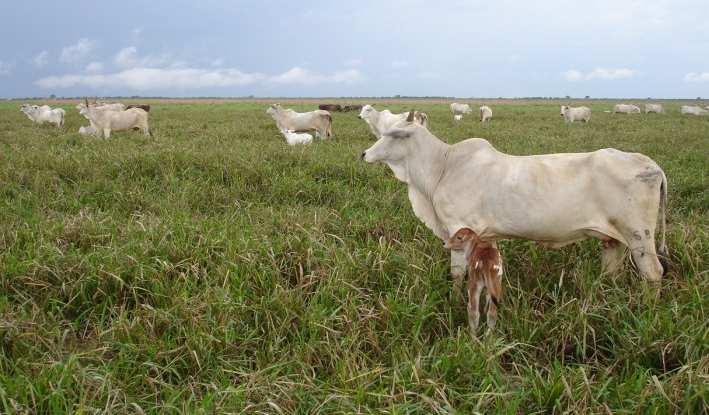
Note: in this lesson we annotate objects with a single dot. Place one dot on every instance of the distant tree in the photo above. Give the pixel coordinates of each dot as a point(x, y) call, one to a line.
point(587, 97)
point(52, 96)
point(567, 97)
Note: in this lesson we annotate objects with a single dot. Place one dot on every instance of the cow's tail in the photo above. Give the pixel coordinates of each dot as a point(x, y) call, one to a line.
point(493, 282)
point(663, 254)
point(328, 130)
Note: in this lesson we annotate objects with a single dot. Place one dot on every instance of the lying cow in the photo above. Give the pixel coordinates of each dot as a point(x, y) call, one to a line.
point(485, 113)
point(330, 107)
point(293, 138)
point(626, 109)
point(572, 114)
point(484, 270)
point(348, 108)
point(693, 110)
point(88, 130)
point(656, 108)
point(44, 114)
point(380, 121)
point(457, 117)
point(555, 199)
point(302, 122)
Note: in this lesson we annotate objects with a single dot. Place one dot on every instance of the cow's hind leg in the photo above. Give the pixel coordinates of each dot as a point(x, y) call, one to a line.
point(475, 287)
point(612, 256)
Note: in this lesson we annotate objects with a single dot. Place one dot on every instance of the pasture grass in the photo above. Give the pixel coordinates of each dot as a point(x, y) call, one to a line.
point(215, 269)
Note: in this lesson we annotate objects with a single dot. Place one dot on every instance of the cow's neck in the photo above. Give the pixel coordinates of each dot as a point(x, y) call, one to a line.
point(426, 164)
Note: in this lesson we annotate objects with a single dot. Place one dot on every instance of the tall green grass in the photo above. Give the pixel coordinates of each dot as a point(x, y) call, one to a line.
point(214, 268)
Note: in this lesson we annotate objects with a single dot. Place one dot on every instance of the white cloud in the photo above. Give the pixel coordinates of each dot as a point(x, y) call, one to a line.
point(77, 51)
point(300, 76)
point(573, 75)
point(150, 79)
point(41, 59)
point(94, 67)
point(5, 68)
point(697, 77)
point(218, 62)
point(399, 64)
point(129, 58)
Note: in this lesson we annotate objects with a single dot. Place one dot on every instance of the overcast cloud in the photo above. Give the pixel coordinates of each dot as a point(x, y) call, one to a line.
point(604, 48)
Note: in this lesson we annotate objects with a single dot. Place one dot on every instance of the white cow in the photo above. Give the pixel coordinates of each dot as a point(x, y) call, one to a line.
point(293, 138)
point(572, 114)
point(380, 121)
point(656, 108)
point(626, 109)
point(88, 130)
point(460, 109)
point(555, 199)
point(319, 121)
point(111, 106)
point(485, 113)
point(44, 114)
point(457, 117)
point(693, 110)
point(106, 120)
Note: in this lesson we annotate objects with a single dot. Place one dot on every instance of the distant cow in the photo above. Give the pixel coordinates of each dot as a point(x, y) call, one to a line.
point(656, 108)
point(44, 114)
point(348, 108)
point(319, 121)
point(485, 113)
point(693, 110)
point(145, 108)
point(575, 114)
point(330, 107)
point(626, 109)
point(460, 109)
point(380, 121)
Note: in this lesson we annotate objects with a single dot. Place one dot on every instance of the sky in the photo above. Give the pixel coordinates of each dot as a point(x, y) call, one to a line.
point(306, 48)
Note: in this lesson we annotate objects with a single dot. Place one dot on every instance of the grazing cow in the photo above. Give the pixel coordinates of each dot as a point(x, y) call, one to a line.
point(293, 138)
point(626, 109)
point(144, 107)
point(693, 110)
point(572, 114)
point(330, 107)
point(656, 108)
point(484, 270)
point(106, 120)
point(485, 113)
point(555, 199)
point(301, 122)
point(380, 121)
point(88, 130)
point(461, 109)
point(457, 117)
point(348, 108)
point(44, 114)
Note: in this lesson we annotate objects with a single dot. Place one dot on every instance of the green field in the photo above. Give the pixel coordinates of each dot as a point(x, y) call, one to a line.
point(215, 269)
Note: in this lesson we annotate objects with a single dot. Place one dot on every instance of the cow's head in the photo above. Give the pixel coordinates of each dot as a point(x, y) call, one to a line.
point(366, 111)
point(273, 109)
point(564, 108)
point(393, 146)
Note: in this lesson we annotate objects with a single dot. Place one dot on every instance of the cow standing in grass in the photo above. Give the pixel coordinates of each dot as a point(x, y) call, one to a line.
point(554, 199)
point(572, 114)
point(302, 122)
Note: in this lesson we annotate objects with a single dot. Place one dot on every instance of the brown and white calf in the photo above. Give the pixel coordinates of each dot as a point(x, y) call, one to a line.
point(484, 270)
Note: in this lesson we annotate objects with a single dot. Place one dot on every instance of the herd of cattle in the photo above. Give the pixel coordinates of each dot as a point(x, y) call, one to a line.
point(471, 195)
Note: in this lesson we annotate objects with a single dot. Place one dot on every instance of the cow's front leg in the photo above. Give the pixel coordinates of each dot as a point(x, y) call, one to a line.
point(458, 270)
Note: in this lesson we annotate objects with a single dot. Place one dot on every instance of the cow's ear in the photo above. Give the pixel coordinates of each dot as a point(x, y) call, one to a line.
point(399, 133)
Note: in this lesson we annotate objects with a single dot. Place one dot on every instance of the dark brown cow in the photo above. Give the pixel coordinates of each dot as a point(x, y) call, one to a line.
point(330, 107)
point(348, 108)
